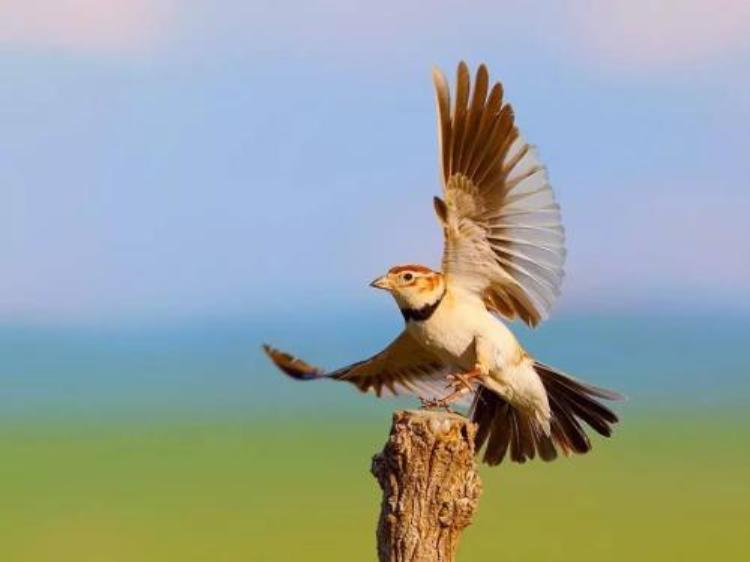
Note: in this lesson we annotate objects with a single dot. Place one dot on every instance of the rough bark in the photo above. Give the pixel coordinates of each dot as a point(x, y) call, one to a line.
point(430, 486)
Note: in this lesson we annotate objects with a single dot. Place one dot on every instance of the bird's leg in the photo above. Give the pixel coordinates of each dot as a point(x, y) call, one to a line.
point(460, 383)
point(463, 381)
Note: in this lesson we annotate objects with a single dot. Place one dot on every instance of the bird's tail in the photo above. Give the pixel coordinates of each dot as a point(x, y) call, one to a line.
point(503, 427)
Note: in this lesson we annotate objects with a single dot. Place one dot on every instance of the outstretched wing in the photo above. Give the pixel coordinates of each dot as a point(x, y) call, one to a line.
point(503, 235)
point(404, 367)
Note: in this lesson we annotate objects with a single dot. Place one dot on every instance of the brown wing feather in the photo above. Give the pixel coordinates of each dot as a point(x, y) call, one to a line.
point(403, 367)
point(502, 225)
point(292, 366)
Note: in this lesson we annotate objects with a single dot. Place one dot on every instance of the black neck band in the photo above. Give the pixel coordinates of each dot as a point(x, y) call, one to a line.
point(423, 313)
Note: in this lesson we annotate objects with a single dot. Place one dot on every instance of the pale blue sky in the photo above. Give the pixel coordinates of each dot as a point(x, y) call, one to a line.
point(162, 160)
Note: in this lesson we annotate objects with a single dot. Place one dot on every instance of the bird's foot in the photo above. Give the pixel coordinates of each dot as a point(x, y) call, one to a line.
point(463, 381)
point(436, 403)
point(460, 384)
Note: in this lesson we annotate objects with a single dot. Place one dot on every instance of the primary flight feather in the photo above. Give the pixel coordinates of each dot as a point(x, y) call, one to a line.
point(503, 254)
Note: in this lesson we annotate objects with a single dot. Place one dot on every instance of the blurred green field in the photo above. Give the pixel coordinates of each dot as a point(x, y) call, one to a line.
point(668, 487)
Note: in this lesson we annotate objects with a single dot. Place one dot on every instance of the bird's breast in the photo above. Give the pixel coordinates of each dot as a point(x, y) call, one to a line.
point(450, 334)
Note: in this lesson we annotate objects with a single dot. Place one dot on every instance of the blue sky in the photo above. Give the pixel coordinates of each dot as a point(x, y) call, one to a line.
point(162, 159)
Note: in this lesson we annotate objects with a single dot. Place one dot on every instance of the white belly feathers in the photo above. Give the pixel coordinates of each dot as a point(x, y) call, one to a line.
point(451, 333)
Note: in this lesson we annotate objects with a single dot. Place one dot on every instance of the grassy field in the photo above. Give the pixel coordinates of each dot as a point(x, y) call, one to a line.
point(674, 487)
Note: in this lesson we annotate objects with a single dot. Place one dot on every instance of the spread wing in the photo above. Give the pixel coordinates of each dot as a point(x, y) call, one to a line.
point(404, 367)
point(503, 235)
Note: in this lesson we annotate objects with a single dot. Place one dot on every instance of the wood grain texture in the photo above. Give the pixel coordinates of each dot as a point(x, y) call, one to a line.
point(430, 485)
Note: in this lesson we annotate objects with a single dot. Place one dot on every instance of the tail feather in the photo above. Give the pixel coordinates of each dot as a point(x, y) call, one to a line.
point(546, 447)
point(582, 401)
point(578, 399)
point(591, 413)
point(508, 430)
point(517, 444)
point(525, 439)
point(576, 437)
point(483, 413)
point(499, 434)
point(586, 388)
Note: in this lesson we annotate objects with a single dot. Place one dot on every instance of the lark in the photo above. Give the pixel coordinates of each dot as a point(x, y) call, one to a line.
point(504, 249)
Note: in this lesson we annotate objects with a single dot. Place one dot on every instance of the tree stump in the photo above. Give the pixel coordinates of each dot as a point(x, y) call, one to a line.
point(430, 486)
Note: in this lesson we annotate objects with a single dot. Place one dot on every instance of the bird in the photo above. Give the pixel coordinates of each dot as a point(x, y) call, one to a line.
point(503, 258)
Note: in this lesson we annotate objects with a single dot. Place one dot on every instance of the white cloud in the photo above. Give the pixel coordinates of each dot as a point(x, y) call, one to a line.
point(629, 34)
point(99, 26)
point(623, 34)
point(654, 34)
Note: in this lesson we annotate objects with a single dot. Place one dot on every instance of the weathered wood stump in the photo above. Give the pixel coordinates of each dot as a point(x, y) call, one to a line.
point(430, 486)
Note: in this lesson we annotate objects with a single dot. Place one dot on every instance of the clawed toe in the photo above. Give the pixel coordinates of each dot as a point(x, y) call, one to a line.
point(426, 403)
point(435, 404)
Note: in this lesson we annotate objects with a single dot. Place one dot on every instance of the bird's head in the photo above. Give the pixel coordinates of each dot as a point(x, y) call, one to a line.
point(413, 286)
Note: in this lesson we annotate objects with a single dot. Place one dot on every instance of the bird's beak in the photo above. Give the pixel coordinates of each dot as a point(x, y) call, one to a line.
point(381, 283)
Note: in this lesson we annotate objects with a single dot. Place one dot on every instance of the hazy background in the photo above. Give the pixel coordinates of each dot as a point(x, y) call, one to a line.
point(180, 181)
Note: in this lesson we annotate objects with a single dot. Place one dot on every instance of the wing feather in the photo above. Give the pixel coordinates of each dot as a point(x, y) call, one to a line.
point(503, 234)
point(474, 116)
point(458, 120)
point(403, 367)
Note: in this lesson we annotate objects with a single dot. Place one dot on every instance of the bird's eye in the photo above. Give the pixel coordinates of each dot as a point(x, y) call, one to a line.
point(408, 277)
